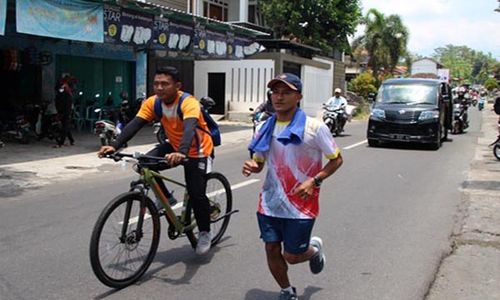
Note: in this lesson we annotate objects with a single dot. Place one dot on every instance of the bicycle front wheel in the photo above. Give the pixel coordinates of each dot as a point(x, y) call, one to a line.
point(121, 248)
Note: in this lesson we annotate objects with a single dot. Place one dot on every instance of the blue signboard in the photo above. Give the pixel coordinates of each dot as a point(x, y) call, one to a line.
point(3, 16)
point(66, 19)
point(123, 26)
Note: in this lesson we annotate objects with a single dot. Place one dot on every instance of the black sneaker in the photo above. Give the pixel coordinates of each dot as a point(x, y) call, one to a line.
point(286, 295)
point(317, 261)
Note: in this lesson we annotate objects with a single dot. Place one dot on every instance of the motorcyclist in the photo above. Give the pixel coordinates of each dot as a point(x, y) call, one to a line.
point(464, 101)
point(338, 101)
point(266, 106)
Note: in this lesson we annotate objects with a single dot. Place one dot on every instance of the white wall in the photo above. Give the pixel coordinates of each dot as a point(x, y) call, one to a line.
point(317, 87)
point(245, 81)
point(424, 66)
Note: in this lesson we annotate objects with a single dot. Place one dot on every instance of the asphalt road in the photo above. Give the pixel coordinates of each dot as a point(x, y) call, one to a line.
point(385, 220)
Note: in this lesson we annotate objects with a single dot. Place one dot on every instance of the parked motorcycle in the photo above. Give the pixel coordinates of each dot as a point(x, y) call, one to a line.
point(18, 130)
point(105, 128)
point(47, 124)
point(161, 137)
point(334, 118)
point(460, 118)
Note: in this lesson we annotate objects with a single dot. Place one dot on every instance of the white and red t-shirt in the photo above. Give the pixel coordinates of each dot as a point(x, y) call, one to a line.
point(288, 166)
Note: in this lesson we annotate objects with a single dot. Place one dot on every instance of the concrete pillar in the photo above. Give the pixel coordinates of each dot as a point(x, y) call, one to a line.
point(243, 11)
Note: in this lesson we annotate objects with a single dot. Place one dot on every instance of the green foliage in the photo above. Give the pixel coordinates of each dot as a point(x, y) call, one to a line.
point(363, 84)
point(328, 21)
point(463, 62)
point(490, 84)
point(385, 39)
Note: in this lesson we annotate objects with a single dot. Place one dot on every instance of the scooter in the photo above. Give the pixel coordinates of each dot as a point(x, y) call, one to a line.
point(47, 124)
point(334, 118)
point(496, 145)
point(480, 105)
point(105, 129)
point(460, 118)
point(258, 118)
point(19, 130)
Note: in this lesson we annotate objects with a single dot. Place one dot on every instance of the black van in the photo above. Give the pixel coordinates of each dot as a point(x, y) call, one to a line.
point(410, 110)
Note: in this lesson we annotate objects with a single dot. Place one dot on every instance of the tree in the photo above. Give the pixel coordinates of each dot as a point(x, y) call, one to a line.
point(363, 84)
point(385, 39)
point(320, 23)
point(466, 63)
point(490, 84)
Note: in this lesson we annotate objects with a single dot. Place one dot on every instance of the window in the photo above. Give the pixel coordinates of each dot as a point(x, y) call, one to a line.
point(216, 9)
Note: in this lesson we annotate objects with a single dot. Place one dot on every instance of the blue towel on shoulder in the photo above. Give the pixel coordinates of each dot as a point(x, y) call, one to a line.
point(293, 133)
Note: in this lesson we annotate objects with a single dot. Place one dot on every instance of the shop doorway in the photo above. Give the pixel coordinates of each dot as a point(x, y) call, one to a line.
point(217, 91)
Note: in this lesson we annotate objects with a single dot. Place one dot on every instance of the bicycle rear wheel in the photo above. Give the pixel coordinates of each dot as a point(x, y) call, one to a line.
point(121, 249)
point(221, 202)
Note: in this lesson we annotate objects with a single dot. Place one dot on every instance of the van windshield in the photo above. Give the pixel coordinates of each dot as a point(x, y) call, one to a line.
point(407, 94)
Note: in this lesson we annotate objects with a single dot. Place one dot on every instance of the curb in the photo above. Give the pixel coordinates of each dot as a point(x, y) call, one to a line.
point(472, 269)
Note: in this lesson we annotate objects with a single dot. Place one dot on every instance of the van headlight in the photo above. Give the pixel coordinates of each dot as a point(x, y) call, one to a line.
point(378, 113)
point(428, 114)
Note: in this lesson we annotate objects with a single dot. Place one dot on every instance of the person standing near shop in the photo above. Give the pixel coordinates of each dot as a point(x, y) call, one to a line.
point(292, 144)
point(64, 105)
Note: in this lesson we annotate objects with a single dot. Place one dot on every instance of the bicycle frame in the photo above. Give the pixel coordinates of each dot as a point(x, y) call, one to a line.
point(148, 176)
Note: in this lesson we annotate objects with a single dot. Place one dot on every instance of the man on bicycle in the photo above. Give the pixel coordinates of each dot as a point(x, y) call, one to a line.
point(188, 145)
point(292, 144)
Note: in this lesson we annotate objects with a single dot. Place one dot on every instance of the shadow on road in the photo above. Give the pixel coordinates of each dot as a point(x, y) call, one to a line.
point(257, 294)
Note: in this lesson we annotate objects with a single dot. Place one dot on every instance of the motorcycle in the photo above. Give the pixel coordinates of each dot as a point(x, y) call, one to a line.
point(47, 124)
point(460, 118)
point(161, 137)
point(258, 118)
point(480, 105)
point(496, 145)
point(334, 118)
point(106, 129)
point(18, 130)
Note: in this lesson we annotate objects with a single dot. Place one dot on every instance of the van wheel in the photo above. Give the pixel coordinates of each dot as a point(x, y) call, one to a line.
point(436, 145)
point(372, 142)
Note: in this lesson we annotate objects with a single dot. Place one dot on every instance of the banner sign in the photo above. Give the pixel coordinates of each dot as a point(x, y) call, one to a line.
point(160, 33)
point(230, 44)
point(200, 40)
point(216, 45)
point(180, 37)
point(65, 19)
point(123, 26)
point(443, 75)
point(3, 16)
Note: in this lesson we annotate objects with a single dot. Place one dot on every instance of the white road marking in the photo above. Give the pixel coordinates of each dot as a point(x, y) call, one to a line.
point(355, 145)
point(179, 205)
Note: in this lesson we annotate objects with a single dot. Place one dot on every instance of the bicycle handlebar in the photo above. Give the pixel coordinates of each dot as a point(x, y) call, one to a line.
point(117, 156)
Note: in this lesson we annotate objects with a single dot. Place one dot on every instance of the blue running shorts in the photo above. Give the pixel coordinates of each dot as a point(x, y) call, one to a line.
point(294, 233)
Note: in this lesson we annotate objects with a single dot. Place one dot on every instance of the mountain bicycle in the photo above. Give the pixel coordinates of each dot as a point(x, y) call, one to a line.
point(126, 235)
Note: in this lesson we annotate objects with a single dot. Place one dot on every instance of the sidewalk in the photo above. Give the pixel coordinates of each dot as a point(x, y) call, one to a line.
point(37, 164)
point(472, 269)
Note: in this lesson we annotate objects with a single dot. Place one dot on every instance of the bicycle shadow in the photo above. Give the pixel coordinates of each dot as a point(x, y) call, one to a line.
point(170, 257)
point(257, 294)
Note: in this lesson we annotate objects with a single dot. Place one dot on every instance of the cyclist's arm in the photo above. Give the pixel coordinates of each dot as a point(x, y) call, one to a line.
point(188, 135)
point(129, 131)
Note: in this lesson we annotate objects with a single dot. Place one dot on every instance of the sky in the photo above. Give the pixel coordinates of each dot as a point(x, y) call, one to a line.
point(436, 23)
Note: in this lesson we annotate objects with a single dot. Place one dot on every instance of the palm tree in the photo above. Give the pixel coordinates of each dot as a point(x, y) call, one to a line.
point(385, 39)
